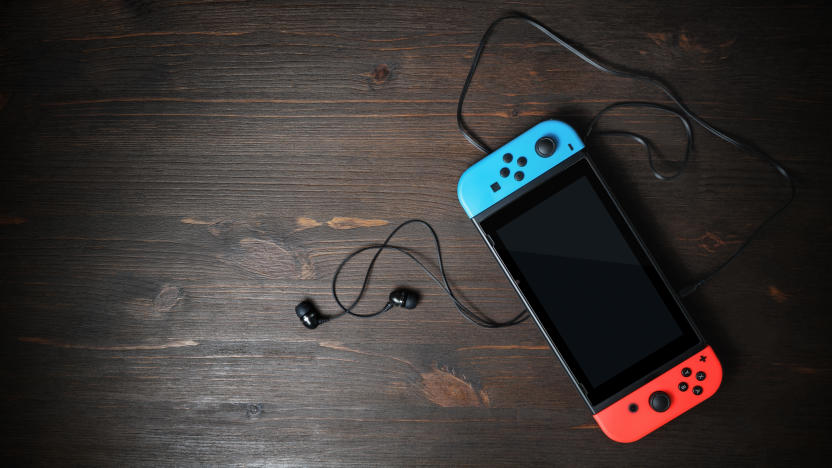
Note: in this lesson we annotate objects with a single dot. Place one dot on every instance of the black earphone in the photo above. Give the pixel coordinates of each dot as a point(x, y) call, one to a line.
point(403, 298)
point(310, 317)
point(408, 299)
point(400, 297)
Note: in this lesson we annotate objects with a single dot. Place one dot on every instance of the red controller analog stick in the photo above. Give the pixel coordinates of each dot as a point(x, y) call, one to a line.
point(659, 401)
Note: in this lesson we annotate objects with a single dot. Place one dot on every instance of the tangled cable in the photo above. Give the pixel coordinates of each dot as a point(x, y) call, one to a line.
point(441, 280)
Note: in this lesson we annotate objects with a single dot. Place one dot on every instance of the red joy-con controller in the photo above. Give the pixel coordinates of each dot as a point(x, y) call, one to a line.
point(662, 399)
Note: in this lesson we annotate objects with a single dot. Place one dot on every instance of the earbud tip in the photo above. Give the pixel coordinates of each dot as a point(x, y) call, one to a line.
point(412, 299)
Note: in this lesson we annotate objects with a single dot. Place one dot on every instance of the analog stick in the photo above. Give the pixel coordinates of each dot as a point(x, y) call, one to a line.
point(659, 401)
point(545, 147)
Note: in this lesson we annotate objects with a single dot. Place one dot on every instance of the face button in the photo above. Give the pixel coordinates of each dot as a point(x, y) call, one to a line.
point(697, 390)
point(518, 176)
point(545, 147)
point(521, 161)
point(700, 376)
point(686, 372)
point(507, 158)
point(659, 401)
point(633, 407)
point(683, 386)
point(504, 172)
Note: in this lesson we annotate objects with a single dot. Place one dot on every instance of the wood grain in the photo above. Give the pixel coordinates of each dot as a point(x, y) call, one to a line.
point(176, 176)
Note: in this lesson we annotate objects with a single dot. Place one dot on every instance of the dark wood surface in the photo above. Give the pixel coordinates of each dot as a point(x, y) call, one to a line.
point(176, 176)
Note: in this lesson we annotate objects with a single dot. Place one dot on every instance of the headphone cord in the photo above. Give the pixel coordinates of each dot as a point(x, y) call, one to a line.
point(683, 113)
point(473, 316)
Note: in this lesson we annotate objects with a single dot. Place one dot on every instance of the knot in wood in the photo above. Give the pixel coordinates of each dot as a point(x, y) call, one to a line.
point(380, 74)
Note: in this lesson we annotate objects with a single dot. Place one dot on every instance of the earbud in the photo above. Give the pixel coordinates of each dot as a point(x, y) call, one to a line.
point(309, 315)
point(404, 298)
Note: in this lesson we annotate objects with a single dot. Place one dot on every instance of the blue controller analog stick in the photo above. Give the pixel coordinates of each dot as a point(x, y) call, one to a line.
point(545, 147)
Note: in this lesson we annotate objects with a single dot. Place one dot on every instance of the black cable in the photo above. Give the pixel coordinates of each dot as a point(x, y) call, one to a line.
point(477, 318)
point(644, 142)
point(684, 115)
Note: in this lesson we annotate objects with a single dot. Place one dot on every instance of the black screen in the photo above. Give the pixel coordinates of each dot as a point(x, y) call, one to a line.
point(583, 271)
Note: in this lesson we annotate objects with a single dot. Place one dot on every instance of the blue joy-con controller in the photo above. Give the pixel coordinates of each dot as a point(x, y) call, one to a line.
point(515, 164)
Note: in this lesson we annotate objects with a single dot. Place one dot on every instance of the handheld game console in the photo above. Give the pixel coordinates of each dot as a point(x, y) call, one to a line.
point(589, 282)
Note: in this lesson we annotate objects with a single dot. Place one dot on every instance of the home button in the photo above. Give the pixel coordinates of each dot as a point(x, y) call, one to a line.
point(659, 401)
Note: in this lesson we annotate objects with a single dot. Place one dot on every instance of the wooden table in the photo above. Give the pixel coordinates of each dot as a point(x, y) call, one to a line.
point(176, 176)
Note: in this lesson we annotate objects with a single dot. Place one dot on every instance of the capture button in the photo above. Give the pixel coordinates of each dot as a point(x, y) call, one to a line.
point(659, 401)
point(545, 147)
point(697, 390)
point(700, 376)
